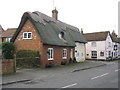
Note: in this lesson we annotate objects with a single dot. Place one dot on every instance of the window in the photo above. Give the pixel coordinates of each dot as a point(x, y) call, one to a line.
point(50, 53)
point(109, 44)
point(93, 44)
point(94, 54)
point(109, 53)
point(61, 35)
point(64, 53)
point(27, 35)
point(115, 47)
point(114, 54)
point(71, 53)
point(8, 39)
point(101, 53)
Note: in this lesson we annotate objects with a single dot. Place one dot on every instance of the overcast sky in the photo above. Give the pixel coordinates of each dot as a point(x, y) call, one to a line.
point(91, 15)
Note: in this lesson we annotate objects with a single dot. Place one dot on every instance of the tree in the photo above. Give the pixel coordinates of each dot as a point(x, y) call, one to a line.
point(7, 50)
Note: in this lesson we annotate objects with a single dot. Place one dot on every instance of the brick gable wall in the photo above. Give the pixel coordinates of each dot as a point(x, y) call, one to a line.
point(33, 44)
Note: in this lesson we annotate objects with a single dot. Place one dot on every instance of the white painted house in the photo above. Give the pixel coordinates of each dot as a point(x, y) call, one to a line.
point(80, 52)
point(118, 48)
point(116, 45)
point(99, 45)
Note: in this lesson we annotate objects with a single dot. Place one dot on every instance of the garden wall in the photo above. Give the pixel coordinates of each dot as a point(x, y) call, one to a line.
point(7, 66)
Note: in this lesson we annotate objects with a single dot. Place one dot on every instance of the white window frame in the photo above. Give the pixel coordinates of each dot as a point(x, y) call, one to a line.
point(50, 54)
point(94, 54)
point(8, 39)
point(27, 35)
point(64, 53)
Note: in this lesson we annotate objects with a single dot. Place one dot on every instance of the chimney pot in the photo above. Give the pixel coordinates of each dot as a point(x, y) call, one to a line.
point(81, 30)
point(55, 14)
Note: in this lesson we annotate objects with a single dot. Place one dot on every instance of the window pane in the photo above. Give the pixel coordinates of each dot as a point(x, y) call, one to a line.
point(94, 54)
point(29, 35)
point(101, 53)
point(64, 53)
point(93, 44)
point(50, 54)
point(25, 35)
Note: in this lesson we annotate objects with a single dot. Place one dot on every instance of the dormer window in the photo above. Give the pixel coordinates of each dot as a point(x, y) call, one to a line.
point(61, 35)
point(27, 35)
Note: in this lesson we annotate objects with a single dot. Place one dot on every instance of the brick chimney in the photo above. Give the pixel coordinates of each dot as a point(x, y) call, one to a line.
point(114, 34)
point(81, 30)
point(55, 14)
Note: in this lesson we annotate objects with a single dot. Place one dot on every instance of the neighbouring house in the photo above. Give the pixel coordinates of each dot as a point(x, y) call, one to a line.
point(115, 45)
point(99, 46)
point(118, 48)
point(1, 31)
point(80, 50)
point(8, 34)
point(55, 40)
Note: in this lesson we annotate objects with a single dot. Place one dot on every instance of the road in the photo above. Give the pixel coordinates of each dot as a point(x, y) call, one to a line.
point(99, 77)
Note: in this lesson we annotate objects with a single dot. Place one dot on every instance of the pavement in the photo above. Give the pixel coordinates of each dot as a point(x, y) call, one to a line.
point(41, 73)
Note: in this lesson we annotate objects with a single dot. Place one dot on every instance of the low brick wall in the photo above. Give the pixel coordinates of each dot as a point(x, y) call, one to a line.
point(7, 66)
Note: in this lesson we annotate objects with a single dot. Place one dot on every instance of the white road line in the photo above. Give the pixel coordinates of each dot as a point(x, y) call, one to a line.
point(117, 70)
point(69, 85)
point(100, 76)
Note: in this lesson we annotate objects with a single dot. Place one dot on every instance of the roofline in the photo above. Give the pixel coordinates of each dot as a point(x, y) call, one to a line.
point(11, 28)
point(81, 42)
point(96, 32)
point(95, 40)
point(57, 45)
point(24, 18)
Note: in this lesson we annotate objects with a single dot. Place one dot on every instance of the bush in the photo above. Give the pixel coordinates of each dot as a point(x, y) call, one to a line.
point(74, 60)
point(63, 62)
point(27, 58)
point(70, 61)
point(49, 65)
point(8, 50)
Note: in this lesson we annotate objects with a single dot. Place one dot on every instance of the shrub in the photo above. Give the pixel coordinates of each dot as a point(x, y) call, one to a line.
point(63, 62)
point(27, 58)
point(70, 61)
point(74, 60)
point(8, 50)
point(49, 65)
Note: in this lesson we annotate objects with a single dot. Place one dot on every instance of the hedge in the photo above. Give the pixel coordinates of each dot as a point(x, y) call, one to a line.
point(27, 58)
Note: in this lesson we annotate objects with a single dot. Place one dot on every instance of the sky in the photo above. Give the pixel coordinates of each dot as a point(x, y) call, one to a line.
point(91, 15)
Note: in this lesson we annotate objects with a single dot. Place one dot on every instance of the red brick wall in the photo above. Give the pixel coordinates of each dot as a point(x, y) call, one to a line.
point(57, 55)
point(7, 66)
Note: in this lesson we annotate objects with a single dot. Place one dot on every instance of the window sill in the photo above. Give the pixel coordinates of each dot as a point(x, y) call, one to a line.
point(64, 57)
point(27, 38)
point(50, 59)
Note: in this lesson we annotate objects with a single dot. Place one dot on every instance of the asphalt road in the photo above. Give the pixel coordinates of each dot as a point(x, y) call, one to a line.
point(99, 77)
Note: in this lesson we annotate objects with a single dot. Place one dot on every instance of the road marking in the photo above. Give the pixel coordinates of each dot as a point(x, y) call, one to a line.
point(100, 76)
point(69, 85)
point(117, 70)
